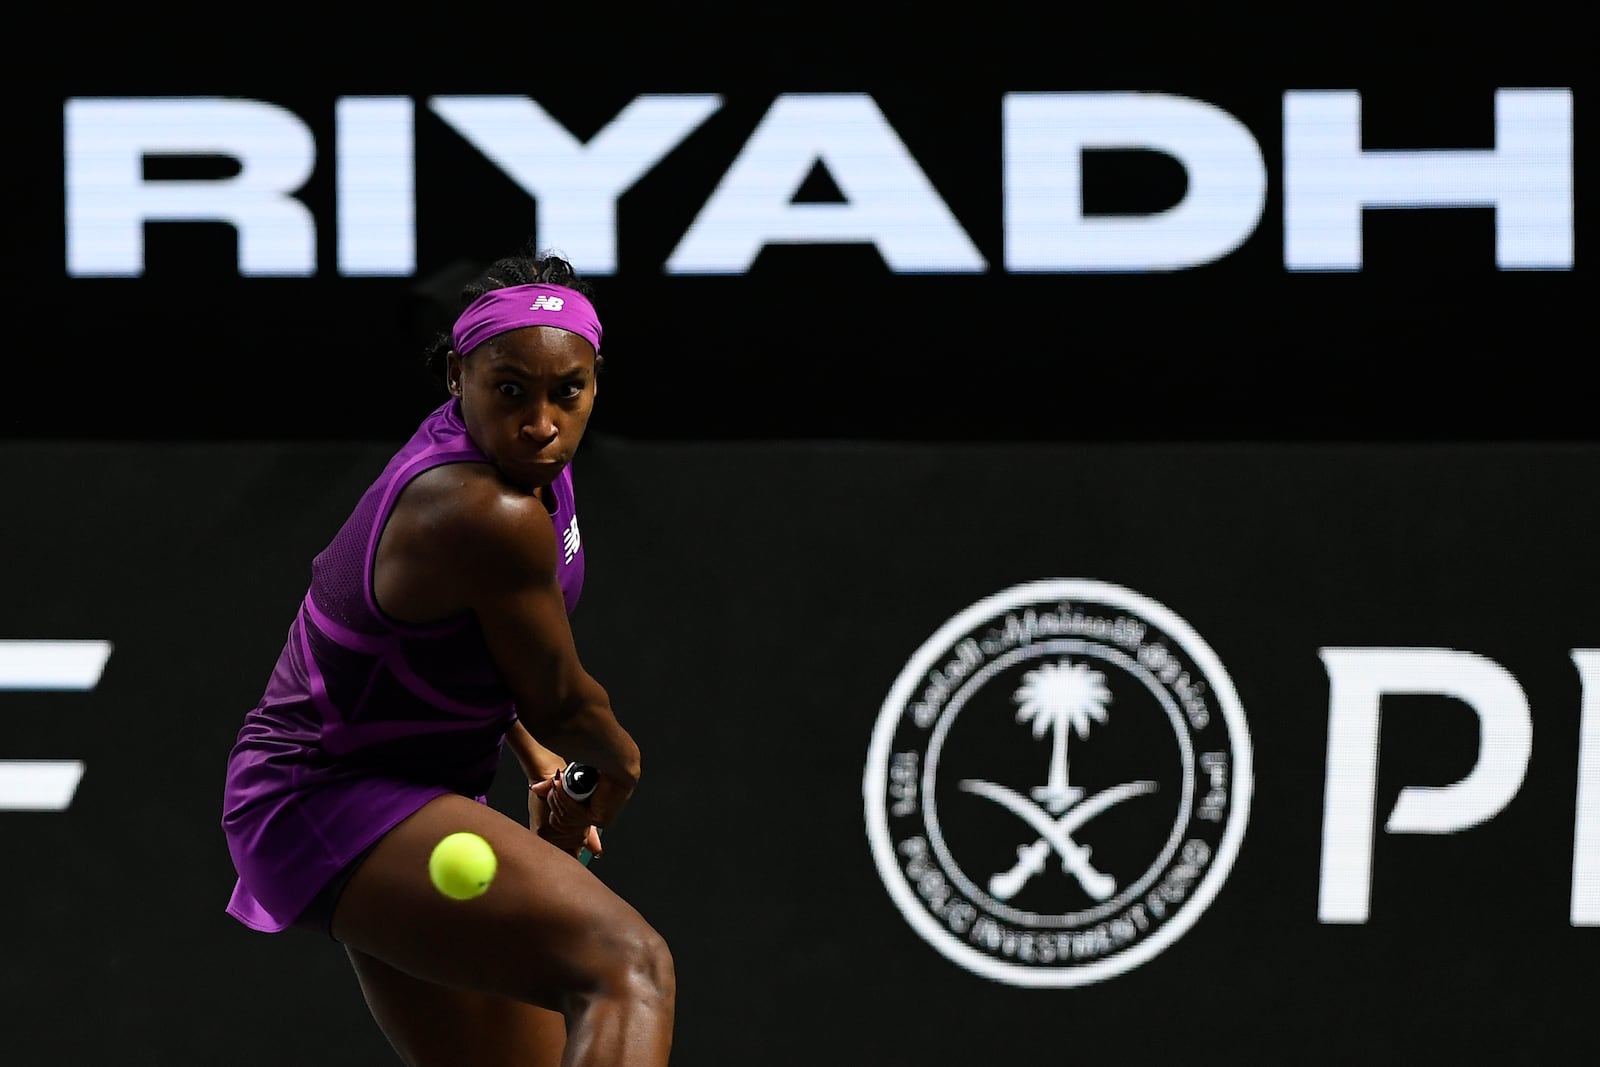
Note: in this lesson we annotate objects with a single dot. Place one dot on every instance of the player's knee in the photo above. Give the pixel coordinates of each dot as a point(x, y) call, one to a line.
point(641, 966)
point(652, 969)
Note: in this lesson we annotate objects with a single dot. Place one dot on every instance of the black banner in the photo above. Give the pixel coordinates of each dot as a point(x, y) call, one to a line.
point(1322, 717)
point(1363, 227)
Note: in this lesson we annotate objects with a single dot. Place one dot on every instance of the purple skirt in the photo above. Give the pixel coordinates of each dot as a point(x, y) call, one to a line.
point(287, 846)
point(293, 825)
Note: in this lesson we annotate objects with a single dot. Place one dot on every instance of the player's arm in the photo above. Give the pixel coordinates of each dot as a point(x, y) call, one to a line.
point(555, 818)
point(538, 762)
point(510, 579)
point(564, 822)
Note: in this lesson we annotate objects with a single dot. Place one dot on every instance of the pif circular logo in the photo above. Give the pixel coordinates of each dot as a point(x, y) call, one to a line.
point(1058, 783)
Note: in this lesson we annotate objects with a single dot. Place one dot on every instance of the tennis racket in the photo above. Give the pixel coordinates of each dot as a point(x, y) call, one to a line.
point(579, 781)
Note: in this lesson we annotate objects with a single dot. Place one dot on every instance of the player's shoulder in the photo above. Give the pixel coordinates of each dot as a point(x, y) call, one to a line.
point(468, 506)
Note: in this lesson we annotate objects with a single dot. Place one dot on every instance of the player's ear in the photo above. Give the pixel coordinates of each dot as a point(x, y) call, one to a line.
point(452, 372)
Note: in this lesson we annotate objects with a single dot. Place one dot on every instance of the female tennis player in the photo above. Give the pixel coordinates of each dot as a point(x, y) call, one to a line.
point(435, 630)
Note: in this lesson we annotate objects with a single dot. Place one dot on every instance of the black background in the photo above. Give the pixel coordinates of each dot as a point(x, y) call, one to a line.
point(757, 635)
point(1428, 341)
point(782, 498)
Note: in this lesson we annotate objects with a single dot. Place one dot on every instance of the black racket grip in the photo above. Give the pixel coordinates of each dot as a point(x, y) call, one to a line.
point(579, 780)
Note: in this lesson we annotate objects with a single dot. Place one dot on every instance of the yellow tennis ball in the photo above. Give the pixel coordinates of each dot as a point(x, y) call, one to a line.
point(462, 865)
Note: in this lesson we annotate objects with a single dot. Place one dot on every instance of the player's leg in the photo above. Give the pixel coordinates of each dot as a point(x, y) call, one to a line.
point(430, 1024)
point(546, 933)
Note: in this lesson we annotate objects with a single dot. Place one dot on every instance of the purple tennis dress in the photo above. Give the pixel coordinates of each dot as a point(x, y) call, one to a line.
point(365, 719)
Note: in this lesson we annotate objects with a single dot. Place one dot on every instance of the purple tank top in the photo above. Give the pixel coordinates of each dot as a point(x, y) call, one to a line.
point(365, 719)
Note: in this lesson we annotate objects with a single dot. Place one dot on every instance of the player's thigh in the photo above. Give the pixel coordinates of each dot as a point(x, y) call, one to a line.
point(545, 928)
point(431, 1025)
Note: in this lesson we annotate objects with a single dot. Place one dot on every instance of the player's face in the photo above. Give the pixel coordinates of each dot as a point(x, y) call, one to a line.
point(526, 396)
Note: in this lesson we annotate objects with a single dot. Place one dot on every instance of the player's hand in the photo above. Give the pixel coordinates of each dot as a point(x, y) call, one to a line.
point(606, 802)
point(559, 819)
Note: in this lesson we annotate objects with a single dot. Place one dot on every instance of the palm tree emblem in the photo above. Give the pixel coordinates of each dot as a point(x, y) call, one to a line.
point(1061, 698)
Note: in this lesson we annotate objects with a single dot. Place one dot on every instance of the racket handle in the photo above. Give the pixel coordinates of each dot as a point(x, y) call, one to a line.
point(579, 781)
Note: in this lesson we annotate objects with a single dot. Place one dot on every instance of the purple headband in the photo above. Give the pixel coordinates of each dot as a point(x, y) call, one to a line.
point(517, 306)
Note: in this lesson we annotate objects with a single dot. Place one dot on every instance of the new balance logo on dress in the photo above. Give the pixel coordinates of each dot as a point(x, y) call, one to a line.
point(569, 538)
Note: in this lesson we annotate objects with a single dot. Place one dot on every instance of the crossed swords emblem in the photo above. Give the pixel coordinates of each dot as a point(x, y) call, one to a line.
point(1055, 834)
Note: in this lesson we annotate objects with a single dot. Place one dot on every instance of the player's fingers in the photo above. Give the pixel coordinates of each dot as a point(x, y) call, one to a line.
point(593, 841)
point(559, 809)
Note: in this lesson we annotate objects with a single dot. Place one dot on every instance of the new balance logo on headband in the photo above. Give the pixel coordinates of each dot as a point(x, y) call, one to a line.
point(516, 306)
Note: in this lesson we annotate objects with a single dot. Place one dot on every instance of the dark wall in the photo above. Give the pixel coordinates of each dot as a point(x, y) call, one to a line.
point(754, 608)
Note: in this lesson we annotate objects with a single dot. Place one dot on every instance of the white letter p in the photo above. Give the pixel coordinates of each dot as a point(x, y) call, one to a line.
point(1357, 680)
